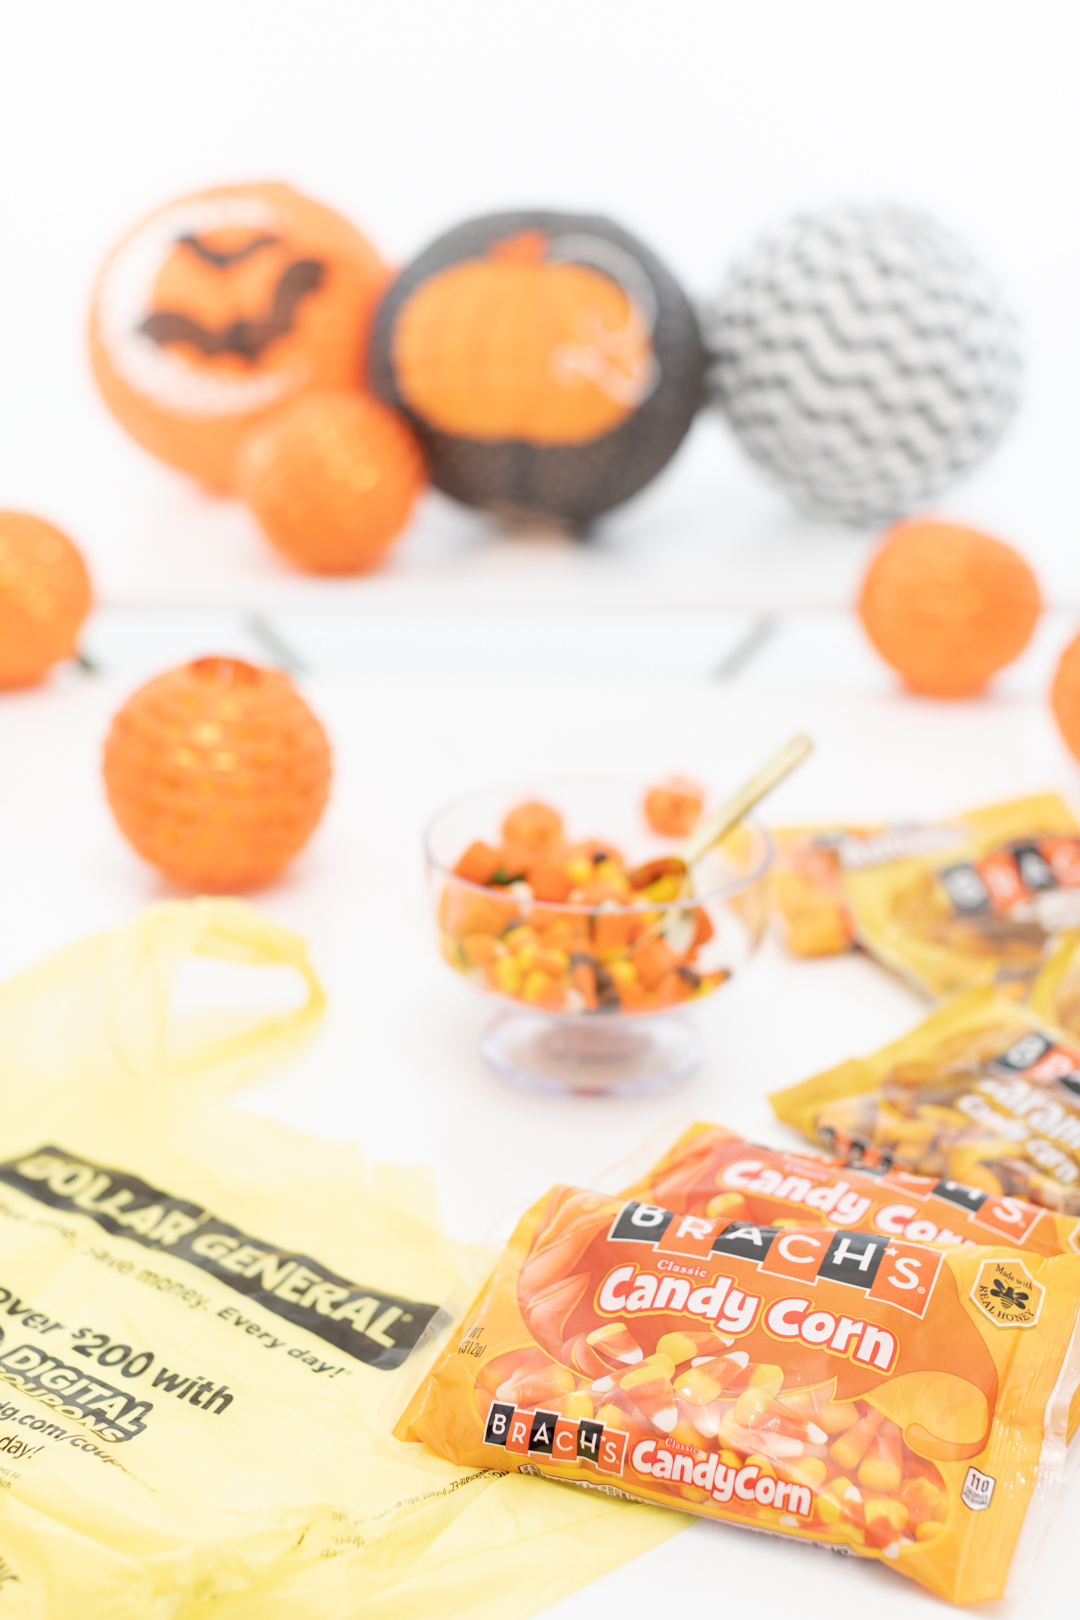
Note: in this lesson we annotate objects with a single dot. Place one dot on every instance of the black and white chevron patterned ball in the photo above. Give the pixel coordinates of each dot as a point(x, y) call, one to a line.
point(864, 359)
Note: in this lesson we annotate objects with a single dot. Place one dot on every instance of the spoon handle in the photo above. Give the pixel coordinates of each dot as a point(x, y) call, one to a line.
point(730, 814)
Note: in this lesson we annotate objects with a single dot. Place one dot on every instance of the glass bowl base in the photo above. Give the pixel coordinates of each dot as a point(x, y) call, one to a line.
point(590, 1058)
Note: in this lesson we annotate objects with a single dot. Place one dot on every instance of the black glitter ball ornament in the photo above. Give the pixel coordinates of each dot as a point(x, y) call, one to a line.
point(549, 362)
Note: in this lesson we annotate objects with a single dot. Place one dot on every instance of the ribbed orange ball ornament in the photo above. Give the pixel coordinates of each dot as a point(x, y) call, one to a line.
point(217, 773)
point(44, 598)
point(947, 606)
point(1065, 696)
point(332, 480)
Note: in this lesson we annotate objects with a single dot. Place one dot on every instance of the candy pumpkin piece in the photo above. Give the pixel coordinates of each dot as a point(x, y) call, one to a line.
point(222, 306)
point(673, 808)
point(549, 362)
point(533, 826)
point(479, 863)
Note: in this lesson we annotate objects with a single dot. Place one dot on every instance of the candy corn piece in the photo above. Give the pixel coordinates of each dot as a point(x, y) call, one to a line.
point(886, 1519)
point(881, 1468)
point(849, 1449)
point(614, 1343)
point(580, 1354)
point(725, 1370)
point(649, 1388)
point(757, 1409)
point(924, 1502)
point(682, 1347)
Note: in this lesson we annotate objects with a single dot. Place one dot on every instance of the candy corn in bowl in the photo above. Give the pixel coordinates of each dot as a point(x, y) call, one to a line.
point(568, 903)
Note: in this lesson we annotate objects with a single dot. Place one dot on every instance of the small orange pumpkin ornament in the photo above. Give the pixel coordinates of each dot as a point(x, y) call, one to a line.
point(217, 773)
point(947, 606)
point(331, 479)
point(549, 362)
point(220, 307)
point(1065, 696)
point(44, 598)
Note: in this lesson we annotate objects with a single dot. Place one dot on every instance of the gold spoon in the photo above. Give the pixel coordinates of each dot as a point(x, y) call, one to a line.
point(711, 832)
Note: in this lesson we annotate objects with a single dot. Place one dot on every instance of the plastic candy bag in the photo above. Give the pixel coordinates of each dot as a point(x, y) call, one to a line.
point(200, 1312)
point(979, 907)
point(889, 1399)
point(985, 1092)
point(805, 891)
point(712, 1171)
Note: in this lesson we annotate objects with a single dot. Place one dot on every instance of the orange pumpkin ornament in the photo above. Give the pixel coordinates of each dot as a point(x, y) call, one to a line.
point(549, 362)
point(217, 773)
point(947, 606)
point(1065, 696)
point(332, 479)
point(221, 307)
point(44, 598)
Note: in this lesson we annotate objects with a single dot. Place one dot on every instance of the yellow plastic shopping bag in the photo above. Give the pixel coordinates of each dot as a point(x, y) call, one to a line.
point(199, 1313)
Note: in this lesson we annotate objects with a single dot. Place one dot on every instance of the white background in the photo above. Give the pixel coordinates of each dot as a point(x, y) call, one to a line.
point(472, 656)
point(696, 123)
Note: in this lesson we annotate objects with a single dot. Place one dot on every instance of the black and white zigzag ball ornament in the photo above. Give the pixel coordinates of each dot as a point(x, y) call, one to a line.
point(865, 359)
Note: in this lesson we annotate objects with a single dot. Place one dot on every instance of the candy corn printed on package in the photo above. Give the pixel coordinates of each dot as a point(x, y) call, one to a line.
point(841, 1386)
point(712, 1171)
point(978, 908)
point(201, 1314)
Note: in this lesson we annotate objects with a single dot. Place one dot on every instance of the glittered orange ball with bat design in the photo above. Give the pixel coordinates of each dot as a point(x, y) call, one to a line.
point(217, 774)
point(220, 308)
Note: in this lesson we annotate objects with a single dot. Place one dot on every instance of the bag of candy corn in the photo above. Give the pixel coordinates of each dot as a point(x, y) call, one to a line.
point(713, 1171)
point(984, 1092)
point(889, 1399)
point(974, 903)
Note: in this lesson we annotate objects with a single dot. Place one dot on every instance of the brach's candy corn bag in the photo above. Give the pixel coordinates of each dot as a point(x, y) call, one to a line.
point(893, 1400)
point(200, 1316)
point(984, 1092)
point(712, 1171)
point(981, 908)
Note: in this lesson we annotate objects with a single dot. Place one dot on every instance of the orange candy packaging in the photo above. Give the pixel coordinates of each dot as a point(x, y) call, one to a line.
point(837, 1384)
point(712, 1171)
point(944, 905)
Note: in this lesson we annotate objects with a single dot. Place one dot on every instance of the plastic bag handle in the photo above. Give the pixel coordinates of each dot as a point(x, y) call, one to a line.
point(99, 1012)
point(232, 931)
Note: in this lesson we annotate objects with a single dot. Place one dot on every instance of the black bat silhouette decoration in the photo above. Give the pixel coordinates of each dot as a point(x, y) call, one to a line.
point(222, 261)
point(246, 338)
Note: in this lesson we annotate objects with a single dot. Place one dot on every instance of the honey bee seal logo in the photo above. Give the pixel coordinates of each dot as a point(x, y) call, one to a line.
point(1005, 1291)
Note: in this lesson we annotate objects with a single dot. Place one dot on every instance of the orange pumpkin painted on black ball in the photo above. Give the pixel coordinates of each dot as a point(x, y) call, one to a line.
point(549, 362)
point(223, 306)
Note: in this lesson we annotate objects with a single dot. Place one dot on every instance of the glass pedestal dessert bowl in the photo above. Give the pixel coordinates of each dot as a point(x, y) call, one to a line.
point(562, 904)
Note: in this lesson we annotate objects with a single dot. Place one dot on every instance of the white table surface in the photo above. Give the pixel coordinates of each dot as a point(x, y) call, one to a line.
point(396, 1066)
